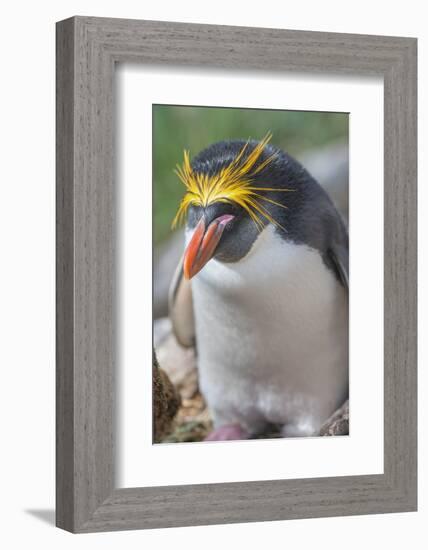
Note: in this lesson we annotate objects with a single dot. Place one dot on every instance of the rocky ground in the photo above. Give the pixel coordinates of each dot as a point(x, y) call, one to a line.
point(193, 421)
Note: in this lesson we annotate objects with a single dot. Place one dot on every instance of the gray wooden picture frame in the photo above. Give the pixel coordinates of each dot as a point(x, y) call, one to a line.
point(87, 51)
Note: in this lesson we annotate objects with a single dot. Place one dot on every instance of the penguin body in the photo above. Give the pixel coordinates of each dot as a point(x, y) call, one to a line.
point(270, 303)
point(280, 343)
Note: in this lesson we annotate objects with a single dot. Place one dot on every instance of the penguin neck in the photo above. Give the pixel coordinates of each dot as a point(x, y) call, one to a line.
point(266, 256)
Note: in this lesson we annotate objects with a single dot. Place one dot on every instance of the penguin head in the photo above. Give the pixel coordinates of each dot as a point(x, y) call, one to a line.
point(233, 190)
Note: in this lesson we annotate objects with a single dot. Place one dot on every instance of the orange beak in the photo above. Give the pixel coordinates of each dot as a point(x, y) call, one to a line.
point(203, 244)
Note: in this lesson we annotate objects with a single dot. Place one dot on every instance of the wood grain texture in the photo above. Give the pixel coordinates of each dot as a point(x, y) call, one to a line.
point(87, 50)
point(64, 277)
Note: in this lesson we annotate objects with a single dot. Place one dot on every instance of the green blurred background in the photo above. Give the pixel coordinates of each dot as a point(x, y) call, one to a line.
point(176, 128)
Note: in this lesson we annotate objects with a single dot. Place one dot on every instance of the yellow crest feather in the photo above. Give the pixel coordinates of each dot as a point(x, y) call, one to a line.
point(233, 184)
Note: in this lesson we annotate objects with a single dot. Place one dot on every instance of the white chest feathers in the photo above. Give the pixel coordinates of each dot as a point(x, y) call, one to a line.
point(272, 337)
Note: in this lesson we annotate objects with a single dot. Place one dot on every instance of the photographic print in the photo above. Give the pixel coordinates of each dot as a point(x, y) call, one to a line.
point(202, 251)
point(250, 225)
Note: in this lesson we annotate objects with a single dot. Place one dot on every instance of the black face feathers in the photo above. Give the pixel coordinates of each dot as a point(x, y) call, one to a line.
point(287, 195)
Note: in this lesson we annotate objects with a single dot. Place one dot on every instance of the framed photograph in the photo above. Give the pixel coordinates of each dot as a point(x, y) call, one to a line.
point(230, 295)
point(236, 274)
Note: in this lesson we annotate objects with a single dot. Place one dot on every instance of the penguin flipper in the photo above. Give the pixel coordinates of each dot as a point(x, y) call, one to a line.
point(180, 304)
point(339, 256)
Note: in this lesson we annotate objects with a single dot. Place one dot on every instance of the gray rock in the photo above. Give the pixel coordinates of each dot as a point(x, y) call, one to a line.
point(166, 402)
point(161, 330)
point(179, 363)
point(166, 259)
point(338, 423)
point(330, 167)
